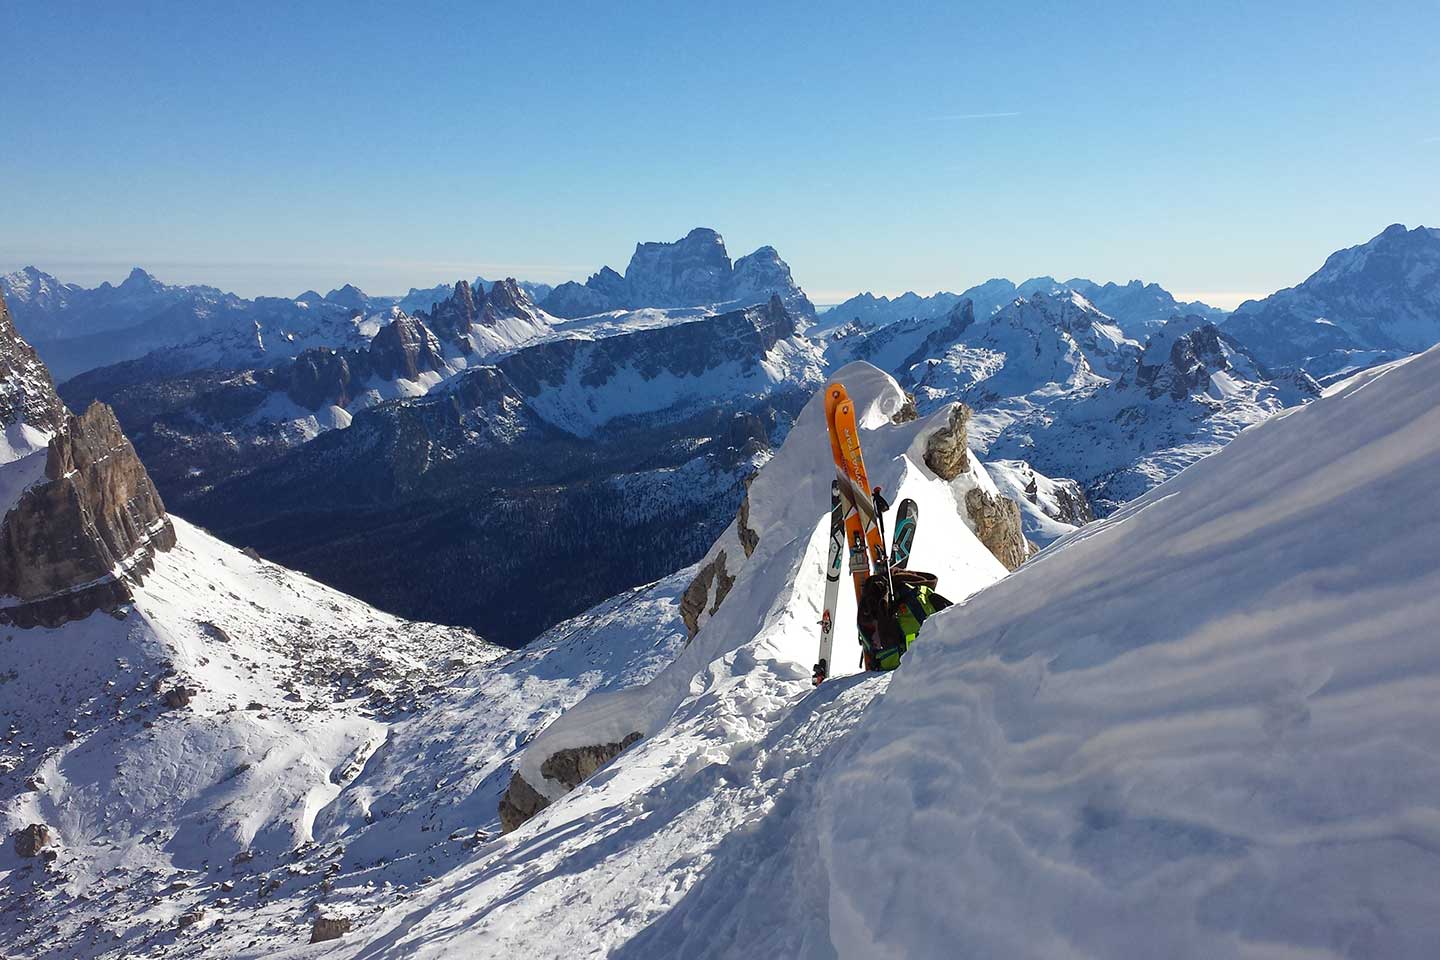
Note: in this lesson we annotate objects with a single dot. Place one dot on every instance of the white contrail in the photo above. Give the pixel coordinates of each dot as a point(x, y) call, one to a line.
point(979, 116)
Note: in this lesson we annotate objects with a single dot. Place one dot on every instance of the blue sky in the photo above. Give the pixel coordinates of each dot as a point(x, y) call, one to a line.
point(1221, 149)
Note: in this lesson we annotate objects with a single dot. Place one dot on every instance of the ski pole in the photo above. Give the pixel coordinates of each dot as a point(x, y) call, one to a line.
point(880, 507)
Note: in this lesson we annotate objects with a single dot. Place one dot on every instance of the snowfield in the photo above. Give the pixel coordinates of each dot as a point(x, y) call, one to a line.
point(1201, 728)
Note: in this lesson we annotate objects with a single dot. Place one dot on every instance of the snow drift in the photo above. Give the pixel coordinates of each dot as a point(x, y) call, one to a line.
point(1201, 728)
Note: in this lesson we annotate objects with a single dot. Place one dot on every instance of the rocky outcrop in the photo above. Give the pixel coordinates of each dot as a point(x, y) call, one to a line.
point(569, 767)
point(520, 802)
point(329, 928)
point(403, 349)
point(712, 581)
point(31, 840)
point(997, 524)
point(1074, 507)
point(947, 450)
point(506, 299)
point(93, 523)
point(692, 271)
point(322, 376)
point(453, 319)
point(995, 518)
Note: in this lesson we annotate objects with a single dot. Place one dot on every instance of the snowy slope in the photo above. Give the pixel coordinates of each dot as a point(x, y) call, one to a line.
point(1201, 728)
point(734, 725)
point(320, 732)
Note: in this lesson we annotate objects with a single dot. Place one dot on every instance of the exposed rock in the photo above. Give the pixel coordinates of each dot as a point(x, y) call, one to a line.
point(570, 767)
point(27, 393)
point(31, 840)
point(1074, 507)
point(320, 377)
point(453, 319)
point(95, 513)
point(404, 348)
point(907, 411)
point(692, 271)
point(329, 928)
point(520, 802)
point(506, 299)
point(574, 766)
point(696, 598)
point(749, 539)
point(190, 918)
point(997, 524)
point(947, 449)
point(177, 697)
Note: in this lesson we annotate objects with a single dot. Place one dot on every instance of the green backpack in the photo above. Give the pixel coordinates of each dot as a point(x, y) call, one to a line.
point(888, 624)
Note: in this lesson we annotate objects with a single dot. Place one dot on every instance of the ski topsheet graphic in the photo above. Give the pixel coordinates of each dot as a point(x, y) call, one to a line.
point(907, 517)
point(835, 558)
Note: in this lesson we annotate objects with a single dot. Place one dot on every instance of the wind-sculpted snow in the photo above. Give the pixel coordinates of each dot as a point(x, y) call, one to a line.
point(1201, 728)
point(735, 733)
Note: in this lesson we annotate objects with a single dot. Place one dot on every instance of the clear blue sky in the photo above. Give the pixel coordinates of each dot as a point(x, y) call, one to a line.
point(1218, 148)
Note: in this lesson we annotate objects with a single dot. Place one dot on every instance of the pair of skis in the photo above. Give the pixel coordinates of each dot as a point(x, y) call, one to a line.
point(856, 521)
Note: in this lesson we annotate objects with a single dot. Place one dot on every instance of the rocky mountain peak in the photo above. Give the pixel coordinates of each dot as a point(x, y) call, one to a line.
point(695, 270)
point(140, 281)
point(28, 401)
point(507, 299)
point(349, 296)
point(1366, 304)
point(74, 535)
point(404, 347)
point(453, 319)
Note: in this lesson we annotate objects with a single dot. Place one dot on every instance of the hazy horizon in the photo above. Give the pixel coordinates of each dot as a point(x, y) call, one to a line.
point(1220, 152)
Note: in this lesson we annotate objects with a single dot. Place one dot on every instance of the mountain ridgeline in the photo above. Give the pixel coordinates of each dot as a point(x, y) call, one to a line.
point(501, 454)
point(521, 492)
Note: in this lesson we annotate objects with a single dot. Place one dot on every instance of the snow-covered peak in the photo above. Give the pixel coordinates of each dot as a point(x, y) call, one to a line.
point(349, 296)
point(693, 271)
point(1366, 304)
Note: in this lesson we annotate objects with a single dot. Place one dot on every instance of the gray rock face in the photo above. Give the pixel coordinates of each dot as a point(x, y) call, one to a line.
point(452, 319)
point(27, 393)
point(95, 512)
point(570, 767)
point(520, 802)
point(1074, 507)
point(507, 299)
point(404, 347)
point(947, 449)
point(321, 376)
point(692, 271)
point(329, 928)
point(31, 840)
point(998, 525)
point(696, 599)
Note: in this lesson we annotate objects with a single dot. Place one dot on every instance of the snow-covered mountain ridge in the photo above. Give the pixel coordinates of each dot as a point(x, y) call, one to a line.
point(1366, 304)
point(628, 450)
point(1137, 307)
point(1183, 779)
point(693, 271)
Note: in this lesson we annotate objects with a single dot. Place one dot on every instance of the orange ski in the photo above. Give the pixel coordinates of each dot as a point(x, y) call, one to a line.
point(862, 534)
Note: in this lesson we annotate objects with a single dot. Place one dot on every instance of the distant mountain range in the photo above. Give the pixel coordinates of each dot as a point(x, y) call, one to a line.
point(345, 433)
point(692, 271)
point(1367, 304)
point(1137, 308)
